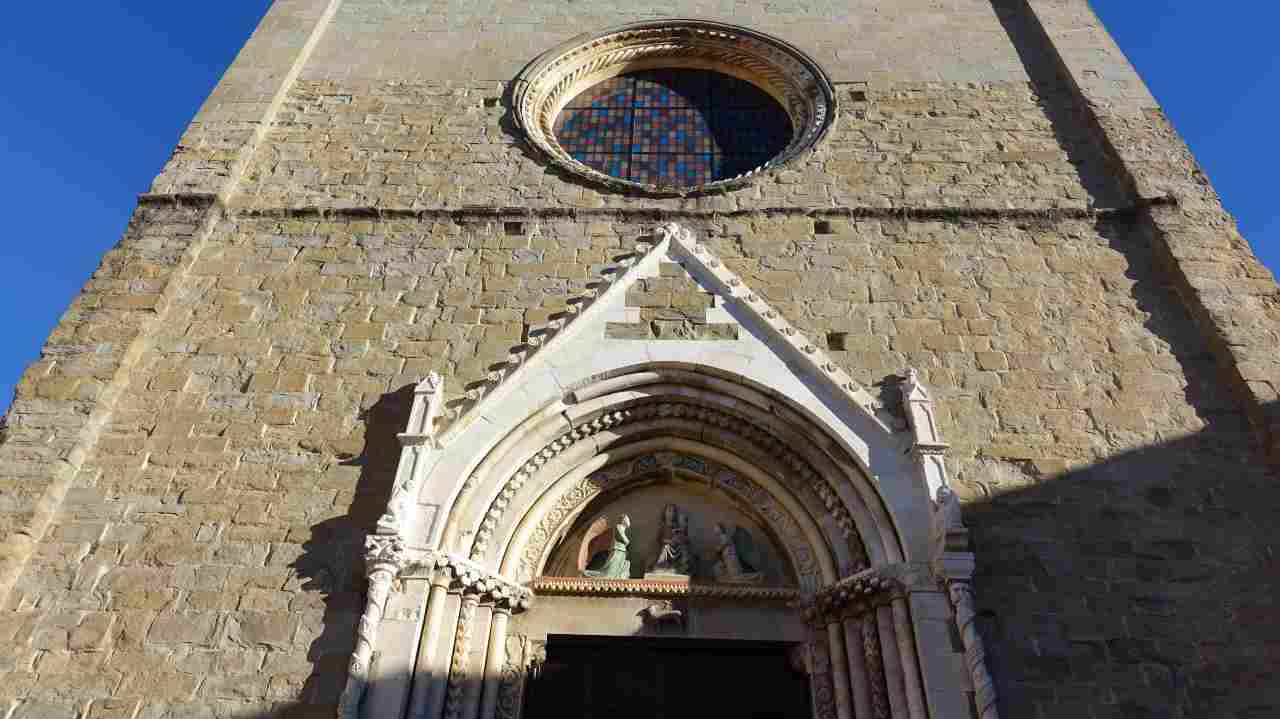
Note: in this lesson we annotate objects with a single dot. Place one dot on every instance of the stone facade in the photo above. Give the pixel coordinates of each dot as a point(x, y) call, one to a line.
point(191, 467)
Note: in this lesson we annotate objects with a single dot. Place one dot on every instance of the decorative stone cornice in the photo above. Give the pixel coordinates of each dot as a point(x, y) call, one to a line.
point(594, 587)
point(471, 580)
point(852, 596)
point(780, 69)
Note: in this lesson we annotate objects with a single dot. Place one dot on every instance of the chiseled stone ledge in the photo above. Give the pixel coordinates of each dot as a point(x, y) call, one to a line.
point(656, 214)
point(592, 587)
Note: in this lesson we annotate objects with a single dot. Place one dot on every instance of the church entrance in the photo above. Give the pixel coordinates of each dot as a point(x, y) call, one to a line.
point(628, 677)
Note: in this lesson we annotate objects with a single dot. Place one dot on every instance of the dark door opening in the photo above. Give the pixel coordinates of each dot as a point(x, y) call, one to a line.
point(628, 677)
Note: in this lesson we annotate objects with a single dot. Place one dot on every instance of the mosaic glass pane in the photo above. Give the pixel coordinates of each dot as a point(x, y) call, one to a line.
point(679, 128)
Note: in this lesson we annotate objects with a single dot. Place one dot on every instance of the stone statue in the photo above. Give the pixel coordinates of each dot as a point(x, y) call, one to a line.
point(736, 559)
point(673, 543)
point(948, 521)
point(615, 565)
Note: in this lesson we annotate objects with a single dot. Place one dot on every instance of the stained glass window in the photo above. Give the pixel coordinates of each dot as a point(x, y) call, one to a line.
point(673, 127)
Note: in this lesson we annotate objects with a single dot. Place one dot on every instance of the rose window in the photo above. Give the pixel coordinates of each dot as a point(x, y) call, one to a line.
point(675, 128)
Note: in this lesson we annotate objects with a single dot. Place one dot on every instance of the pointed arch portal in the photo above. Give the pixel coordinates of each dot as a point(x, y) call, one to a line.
point(803, 516)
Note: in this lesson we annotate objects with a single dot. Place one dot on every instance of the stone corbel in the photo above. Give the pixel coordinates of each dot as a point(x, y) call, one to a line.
point(385, 557)
point(852, 596)
point(472, 580)
point(419, 438)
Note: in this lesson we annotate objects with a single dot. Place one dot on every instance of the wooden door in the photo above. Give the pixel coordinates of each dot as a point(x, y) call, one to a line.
point(630, 678)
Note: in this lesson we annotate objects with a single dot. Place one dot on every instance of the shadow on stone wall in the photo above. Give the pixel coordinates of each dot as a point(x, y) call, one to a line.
point(1073, 128)
point(1145, 585)
point(1142, 586)
point(332, 564)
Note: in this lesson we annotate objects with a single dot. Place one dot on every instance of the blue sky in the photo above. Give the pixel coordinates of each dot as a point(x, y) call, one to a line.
point(95, 95)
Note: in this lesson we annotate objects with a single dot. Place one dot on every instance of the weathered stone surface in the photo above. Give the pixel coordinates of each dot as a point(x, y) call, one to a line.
point(188, 469)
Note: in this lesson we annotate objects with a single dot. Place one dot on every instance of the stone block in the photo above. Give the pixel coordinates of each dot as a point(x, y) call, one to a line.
point(185, 627)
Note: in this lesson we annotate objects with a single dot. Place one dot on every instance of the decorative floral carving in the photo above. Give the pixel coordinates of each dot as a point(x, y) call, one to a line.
point(824, 700)
point(875, 667)
point(458, 669)
point(851, 597)
point(471, 579)
point(514, 671)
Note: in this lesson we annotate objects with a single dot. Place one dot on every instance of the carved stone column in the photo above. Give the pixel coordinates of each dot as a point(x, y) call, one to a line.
point(875, 666)
point(975, 655)
point(495, 659)
point(893, 674)
point(928, 448)
point(464, 696)
point(859, 684)
point(910, 662)
point(848, 610)
point(429, 673)
point(839, 669)
point(384, 558)
point(459, 663)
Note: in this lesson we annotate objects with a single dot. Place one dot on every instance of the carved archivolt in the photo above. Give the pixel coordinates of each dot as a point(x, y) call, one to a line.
point(783, 71)
point(801, 477)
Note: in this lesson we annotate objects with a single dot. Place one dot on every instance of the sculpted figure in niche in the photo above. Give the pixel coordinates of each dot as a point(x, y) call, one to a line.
point(674, 556)
point(736, 558)
point(615, 564)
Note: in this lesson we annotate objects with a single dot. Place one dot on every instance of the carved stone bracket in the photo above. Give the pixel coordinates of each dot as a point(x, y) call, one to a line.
point(472, 580)
point(384, 559)
point(851, 597)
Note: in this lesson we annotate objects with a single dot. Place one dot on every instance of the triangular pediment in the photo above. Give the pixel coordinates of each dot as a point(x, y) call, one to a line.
point(675, 292)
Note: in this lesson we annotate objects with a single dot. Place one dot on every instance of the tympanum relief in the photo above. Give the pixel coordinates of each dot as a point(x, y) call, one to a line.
point(671, 531)
point(613, 564)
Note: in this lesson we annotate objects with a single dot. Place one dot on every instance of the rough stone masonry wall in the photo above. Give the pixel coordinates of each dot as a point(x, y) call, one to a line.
point(1231, 295)
point(438, 145)
point(219, 408)
point(206, 562)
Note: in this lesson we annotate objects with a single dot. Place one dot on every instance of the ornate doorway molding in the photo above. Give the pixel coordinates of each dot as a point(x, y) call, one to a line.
point(843, 484)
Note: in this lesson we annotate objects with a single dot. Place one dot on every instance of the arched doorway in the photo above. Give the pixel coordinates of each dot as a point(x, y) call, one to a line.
point(504, 530)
